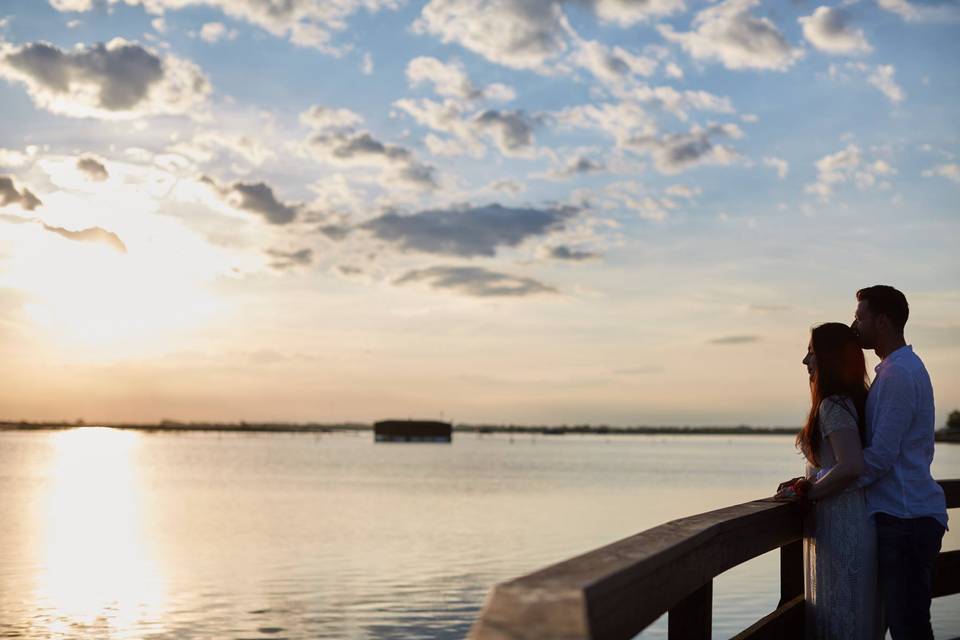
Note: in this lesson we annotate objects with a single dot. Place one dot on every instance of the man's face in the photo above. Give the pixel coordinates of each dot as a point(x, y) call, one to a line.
point(864, 325)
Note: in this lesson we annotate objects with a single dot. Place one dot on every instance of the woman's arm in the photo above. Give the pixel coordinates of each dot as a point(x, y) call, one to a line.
point(846, 449)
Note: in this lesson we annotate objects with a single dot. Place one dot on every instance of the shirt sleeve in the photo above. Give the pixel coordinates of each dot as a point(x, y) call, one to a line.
point(895, 411)
point(837, 413)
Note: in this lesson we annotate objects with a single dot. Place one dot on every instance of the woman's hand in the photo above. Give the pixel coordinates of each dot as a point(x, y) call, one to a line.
point(785, 489)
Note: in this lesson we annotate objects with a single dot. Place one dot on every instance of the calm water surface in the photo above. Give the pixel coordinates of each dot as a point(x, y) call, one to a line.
point(114, 534)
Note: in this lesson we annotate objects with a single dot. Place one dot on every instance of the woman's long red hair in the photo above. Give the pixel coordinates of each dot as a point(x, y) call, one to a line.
point(840, 371)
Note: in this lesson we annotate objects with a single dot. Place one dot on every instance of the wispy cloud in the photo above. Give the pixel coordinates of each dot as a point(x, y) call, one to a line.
point(732, 340)
point(476, 282)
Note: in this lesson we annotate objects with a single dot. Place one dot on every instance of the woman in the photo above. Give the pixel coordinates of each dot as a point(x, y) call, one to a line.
point(840, 577)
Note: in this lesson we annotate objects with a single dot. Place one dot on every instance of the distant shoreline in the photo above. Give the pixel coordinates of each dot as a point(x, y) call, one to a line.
point(169, 426)
point(272, 427)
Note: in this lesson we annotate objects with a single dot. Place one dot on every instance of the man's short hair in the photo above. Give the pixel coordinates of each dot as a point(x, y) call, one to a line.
point(885, 300)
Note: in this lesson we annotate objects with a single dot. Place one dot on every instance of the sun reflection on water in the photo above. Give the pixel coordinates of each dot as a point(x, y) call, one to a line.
point(97, 574)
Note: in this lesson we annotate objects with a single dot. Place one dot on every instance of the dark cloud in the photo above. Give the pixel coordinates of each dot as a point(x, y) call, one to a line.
point(475, 281)
point(421, 175)
point(335, 231)
point(578, 166)
point(123, 73)
point(513, 130)
point(675, 152)
point(256, 197)
point(361, 148)
point(92, 234)
point(348, 270)
point(283, 260)
point(10, 195)
point(735, 340)
point(564, 252)
point(353, 145)
point(93, 168)
point(478, 231)
point(116, 77)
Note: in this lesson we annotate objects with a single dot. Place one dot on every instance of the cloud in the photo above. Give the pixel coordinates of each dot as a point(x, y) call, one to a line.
point(215, 31)
point(336, 142)
point(729, 340)
point(14, 158)
point(673, 153)
point(565, 253)
point(781, 166)
point(93, 235)
point(580, 165)
point(93, 168)
point(283, 260)
point(682, 191)
point(72, 5)
point(525, 34)
point(846, 166)
point(522, 34)
point(470, 232)
point(451, 81)
point(678, 103)
point(946, 11)
point(629, 12)
point(611, 64)
point(204, 147)
point(10, 195)
point(258, 198)
point(306, 23)
point(727, 33)
point(366, 65)
point(119, 79)
point(475, 281)
point(950, 171)
point(827, 30)
point(882, 79)
point(511, 130)
point(325, 118)
point(622, 120)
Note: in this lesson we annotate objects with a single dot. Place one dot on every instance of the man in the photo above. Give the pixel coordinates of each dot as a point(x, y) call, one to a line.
point(908, 505)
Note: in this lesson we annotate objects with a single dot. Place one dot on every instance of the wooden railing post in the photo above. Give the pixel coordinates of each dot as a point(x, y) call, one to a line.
point(791, 571)
point(692, 617)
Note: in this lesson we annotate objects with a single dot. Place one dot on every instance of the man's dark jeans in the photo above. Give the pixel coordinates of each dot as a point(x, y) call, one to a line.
point(907, 550)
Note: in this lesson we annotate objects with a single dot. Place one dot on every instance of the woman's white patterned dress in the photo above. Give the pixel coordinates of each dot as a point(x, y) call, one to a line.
point(840, 549)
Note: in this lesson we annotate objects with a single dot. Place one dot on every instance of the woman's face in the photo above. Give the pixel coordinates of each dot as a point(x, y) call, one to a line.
point(810, 359)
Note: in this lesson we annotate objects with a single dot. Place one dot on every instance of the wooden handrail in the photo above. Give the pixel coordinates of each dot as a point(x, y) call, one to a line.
point(616, 591)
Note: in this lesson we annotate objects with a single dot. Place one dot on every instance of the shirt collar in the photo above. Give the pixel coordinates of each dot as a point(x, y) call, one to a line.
point(896, 355)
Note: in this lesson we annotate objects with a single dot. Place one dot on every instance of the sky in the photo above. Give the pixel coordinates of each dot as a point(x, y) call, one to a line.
point(625, 212)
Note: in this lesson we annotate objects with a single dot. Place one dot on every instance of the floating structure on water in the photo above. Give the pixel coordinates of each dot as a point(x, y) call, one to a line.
point(412, 431)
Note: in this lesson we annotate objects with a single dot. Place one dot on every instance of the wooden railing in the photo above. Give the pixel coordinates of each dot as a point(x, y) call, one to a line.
point(616, 591)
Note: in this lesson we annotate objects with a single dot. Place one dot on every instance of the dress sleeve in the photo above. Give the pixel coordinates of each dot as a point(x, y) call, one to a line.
point(836, 413)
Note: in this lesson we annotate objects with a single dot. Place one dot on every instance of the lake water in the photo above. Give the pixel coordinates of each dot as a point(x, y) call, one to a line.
point(120, 534)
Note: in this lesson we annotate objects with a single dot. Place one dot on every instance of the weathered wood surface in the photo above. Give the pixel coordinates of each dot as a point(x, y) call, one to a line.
point(791, 571)
point(951, 489)
point(692, 617)
point(617, 590)
point(786, 623)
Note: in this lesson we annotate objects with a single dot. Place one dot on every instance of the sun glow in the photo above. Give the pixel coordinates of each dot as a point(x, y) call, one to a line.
point(97, 573)
point(90, 293)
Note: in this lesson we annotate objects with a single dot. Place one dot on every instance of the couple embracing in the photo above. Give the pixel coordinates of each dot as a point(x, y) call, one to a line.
point(876, 517)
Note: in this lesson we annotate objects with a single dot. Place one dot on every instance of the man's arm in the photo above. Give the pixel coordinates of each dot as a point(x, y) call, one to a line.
point(895, 411)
